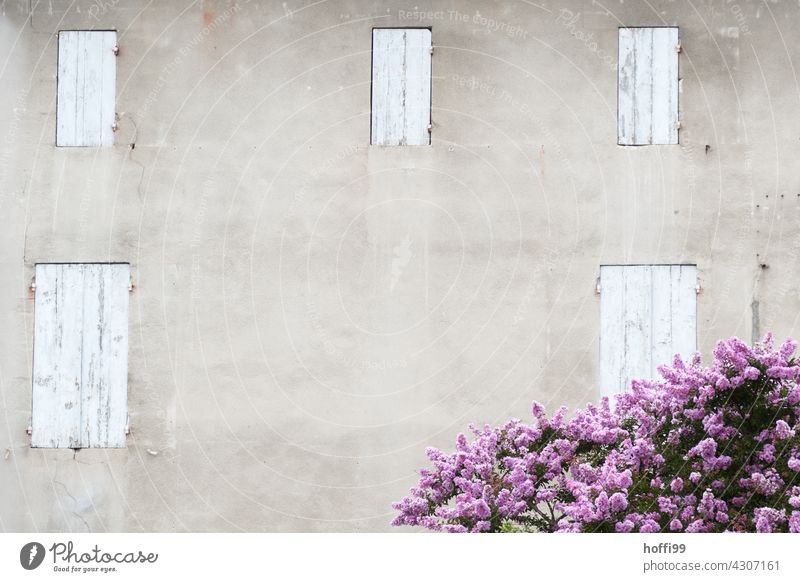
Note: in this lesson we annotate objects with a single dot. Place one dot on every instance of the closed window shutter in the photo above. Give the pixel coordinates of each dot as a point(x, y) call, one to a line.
point(647, 107)
point(648, 313)
point(401, 86)
point(80, 355)
point(87, 80)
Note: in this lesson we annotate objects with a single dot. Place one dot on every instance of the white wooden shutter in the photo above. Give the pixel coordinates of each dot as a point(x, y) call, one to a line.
point(80, 355)
point(87, 77)
point(648, 86)
point(401, 86)
point(648, 313)
point(57, 348)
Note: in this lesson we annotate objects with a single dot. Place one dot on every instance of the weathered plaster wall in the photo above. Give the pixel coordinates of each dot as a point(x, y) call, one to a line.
point(312, 312)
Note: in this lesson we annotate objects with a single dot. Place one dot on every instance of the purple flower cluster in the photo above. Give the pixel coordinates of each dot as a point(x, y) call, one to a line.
point(705, 449)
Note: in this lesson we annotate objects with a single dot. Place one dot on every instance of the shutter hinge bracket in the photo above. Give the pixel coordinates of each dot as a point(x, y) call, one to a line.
point(430, 49)
point(115, 50)
point(679, 48)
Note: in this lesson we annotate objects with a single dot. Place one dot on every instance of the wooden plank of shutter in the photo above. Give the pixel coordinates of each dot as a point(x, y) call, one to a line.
point(647, 86)
point(108, 86)
point(661, 292)
point(643, 86)
point(418, 87)
point(105, 355)
point(664, 106)
point(637, 323)
point(625, 93)
point(86, 88)
point(68, 82)
point(684, 310)
point(401, 86)
point(612, 309)
point(57, 345)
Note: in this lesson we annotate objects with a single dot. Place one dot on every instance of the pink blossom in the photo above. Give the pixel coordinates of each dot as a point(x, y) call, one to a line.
point(783, 431)
point(618, 502)
point(605, 468)
point(794, 522)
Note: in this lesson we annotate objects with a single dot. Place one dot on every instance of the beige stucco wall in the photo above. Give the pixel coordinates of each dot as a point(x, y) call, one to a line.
point(311, 312)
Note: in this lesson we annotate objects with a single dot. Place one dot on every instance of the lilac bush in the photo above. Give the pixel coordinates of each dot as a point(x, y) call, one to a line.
point(705, 449)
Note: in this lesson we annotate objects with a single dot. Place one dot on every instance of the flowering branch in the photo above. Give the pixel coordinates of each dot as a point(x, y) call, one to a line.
point(705, 449)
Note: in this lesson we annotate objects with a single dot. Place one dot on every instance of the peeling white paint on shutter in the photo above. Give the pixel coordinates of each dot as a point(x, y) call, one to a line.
point(648, 313)
point(105, 355)
point(647, 107)
point(57, 347)
point(401, 86)
point(87, 80)
point(80, 355)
